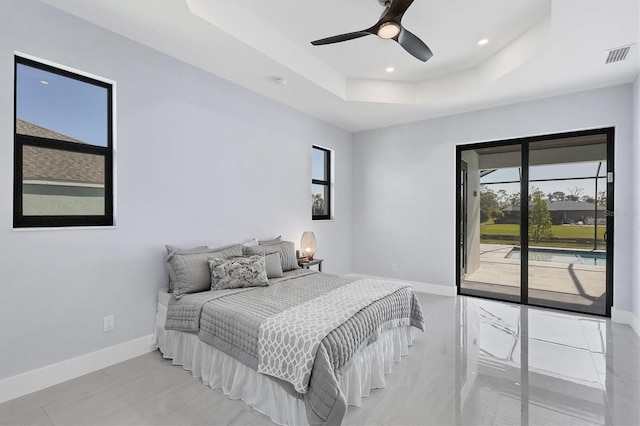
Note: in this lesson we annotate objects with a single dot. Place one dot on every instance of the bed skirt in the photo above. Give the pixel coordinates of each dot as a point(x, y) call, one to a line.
point(221, 371)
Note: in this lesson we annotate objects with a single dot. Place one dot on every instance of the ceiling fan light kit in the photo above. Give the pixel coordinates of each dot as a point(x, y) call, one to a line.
point(389, 26)
point(388, 30)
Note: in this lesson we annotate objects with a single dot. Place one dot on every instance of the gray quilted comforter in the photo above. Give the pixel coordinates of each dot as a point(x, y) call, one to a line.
point(230, 321)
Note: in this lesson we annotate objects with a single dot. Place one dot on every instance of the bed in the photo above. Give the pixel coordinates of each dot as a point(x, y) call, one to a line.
point(300, 349)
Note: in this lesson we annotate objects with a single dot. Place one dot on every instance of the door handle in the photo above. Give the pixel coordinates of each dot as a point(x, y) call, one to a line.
point(605, 236)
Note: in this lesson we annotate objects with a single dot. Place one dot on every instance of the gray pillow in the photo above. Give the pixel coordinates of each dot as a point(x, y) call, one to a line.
point(238, 272)
point(276, 240)
point(192, 273)
point(171, 250)
point(286, 249)
point(274, 267)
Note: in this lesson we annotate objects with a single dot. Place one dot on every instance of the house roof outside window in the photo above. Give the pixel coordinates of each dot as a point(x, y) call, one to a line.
point(53, 166)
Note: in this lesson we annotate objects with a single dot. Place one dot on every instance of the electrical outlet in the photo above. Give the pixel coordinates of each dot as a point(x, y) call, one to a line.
point(109, 323)
point(394, 267)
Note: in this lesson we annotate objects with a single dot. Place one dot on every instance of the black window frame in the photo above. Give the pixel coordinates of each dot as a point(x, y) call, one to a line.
point(20, 141)
point(326, 183)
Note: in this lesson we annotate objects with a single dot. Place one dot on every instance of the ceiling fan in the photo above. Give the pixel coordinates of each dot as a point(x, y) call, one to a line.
point(389, 26)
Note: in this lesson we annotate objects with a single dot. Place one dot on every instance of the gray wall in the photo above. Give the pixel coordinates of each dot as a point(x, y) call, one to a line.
point(635, 210)
point(199, 161)
point(404, 208)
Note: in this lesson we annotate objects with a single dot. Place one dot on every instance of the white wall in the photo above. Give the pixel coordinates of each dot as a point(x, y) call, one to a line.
point(199, 160)
point(473, 210)
point(635, 210)
point(404, 205)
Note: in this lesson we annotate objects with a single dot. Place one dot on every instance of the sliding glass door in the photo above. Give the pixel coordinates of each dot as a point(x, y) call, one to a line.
point(568, 223)
point(492, 222)
point(536, 228)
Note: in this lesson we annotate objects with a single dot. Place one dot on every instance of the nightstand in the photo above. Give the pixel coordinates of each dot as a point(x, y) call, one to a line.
point(306, 265)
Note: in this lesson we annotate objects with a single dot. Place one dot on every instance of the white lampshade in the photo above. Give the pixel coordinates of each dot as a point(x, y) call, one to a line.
point(308, 244)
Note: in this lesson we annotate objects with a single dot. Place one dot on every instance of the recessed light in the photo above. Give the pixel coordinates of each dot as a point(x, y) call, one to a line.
point(44, 82)
point(390, 69)
point(483, 41)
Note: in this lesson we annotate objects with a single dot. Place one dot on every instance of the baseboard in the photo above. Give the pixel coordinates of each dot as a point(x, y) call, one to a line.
point(626, 317)
point(440, 290)
point(35, 380)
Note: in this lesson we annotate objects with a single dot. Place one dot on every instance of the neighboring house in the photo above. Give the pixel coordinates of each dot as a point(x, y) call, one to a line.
point(57, 182)
point(566, 212)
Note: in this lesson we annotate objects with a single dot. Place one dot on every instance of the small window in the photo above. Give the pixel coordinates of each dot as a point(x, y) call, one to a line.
point(320, 183)
point(63, 156)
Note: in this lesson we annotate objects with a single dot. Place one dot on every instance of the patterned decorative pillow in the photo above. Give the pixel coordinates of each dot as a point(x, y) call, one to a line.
point(285, 248)
point(238, 272)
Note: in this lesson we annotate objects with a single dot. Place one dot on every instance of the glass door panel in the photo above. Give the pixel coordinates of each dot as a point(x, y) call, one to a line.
point(567, 224)
point(463, 217)
point(490, 215)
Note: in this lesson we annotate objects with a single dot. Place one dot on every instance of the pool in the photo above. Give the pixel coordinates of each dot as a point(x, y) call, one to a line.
point(562, 256)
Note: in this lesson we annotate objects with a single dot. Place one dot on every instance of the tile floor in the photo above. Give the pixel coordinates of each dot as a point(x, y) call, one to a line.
point(479, 362)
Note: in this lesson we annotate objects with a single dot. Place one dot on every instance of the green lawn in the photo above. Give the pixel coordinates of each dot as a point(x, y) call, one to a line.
point(579, 236)
point(559, 231)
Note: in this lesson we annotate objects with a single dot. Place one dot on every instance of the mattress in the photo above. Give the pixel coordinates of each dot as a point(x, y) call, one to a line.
point(163, 297)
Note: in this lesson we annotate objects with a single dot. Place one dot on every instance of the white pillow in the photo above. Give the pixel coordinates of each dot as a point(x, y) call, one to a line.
point(251, 243)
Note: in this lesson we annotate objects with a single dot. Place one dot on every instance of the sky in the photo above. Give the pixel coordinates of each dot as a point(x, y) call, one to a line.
point(317, 171)
point(62, 104)
point(317, 164)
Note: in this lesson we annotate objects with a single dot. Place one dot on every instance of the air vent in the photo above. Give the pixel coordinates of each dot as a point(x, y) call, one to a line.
point(616, 55)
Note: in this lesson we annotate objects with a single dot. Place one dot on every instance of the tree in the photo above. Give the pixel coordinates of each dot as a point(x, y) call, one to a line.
point(514, 199)
point(575, 193)
point(588, 199)
point(602, 198)
point(489, 206)
point(496, 214)
point(539, 217)
point(556, 196)
point(503, 199)
point(317, 202)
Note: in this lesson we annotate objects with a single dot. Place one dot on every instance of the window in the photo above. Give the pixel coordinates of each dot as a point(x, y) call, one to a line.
point(63, 156)
point(320, 183)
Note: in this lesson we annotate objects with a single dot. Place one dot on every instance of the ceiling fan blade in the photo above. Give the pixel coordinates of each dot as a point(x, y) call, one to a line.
point(412, 44)
point(341, 37)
